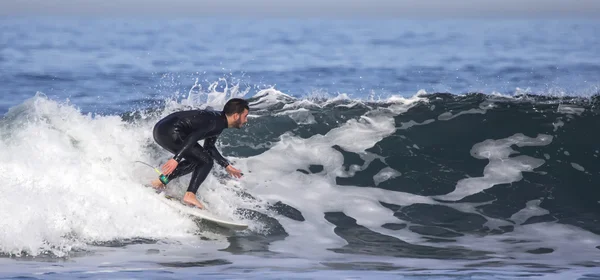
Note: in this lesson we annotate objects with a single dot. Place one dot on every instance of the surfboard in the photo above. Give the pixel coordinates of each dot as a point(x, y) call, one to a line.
point(195, 212)
point(200, 213)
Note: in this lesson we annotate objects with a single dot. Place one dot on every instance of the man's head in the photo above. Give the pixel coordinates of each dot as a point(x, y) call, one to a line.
point(236, 110)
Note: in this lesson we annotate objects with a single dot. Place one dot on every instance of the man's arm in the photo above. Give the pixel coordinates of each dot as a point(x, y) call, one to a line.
point(209, 145)
point(192, 139)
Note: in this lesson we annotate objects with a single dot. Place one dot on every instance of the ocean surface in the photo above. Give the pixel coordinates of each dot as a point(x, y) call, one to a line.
point(375, 149)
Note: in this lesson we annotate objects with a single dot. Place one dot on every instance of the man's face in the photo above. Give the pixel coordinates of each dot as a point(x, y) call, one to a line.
point(240, 119)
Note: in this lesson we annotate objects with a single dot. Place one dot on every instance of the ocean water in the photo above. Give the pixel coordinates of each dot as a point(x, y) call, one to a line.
point(388, 149)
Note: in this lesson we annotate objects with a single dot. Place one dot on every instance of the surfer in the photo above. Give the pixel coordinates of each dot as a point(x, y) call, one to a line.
point(179, 133)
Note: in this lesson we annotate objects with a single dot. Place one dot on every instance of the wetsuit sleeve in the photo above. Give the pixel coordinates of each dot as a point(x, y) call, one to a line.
point(209, 145)
point(192, 139)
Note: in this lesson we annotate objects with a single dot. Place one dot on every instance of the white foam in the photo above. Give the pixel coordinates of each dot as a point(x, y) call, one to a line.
point(211, 97)
point(385, 174)
point(300, 116)
point(484, 106)
point(521, 92)
point(558, 124)
point(315, 194)
point(267, 98)
point(301, 103)
point(501, 168)
point(570, 244)
point(570, 109)
point(70, 178)
point(340, 98)
point(532, 209)
point(411, 123)
point(578, 167)
point(448, 116)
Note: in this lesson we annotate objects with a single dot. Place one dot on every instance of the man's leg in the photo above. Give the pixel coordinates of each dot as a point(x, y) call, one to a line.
point(164, 138)
point(200, 173)
point(197, 159)
point(183, 168)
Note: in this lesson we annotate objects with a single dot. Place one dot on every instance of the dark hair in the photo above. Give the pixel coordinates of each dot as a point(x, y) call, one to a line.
point(235, 106)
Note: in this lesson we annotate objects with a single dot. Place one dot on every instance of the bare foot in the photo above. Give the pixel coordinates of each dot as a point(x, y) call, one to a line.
point(190, 199)
point(157, 184)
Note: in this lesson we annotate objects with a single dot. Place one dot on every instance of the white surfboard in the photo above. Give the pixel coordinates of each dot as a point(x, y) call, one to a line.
point(200, 213)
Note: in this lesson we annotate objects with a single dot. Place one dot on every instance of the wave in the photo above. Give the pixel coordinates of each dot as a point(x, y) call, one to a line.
point(447, 176)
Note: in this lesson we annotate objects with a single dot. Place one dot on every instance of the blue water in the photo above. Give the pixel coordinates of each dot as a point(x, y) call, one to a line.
point(110, 64)
point(358, 165)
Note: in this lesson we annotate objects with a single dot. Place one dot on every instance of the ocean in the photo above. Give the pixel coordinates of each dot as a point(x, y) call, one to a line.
point(375, 149)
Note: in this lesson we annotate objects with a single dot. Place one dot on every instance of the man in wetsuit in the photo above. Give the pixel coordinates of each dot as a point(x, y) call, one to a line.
point(179, 133)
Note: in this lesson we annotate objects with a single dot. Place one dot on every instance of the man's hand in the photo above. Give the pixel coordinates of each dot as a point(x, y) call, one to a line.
point(233, 171)
point(169, 166)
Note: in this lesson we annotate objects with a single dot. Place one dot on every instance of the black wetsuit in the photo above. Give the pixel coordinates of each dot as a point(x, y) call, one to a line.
point(179, 133)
